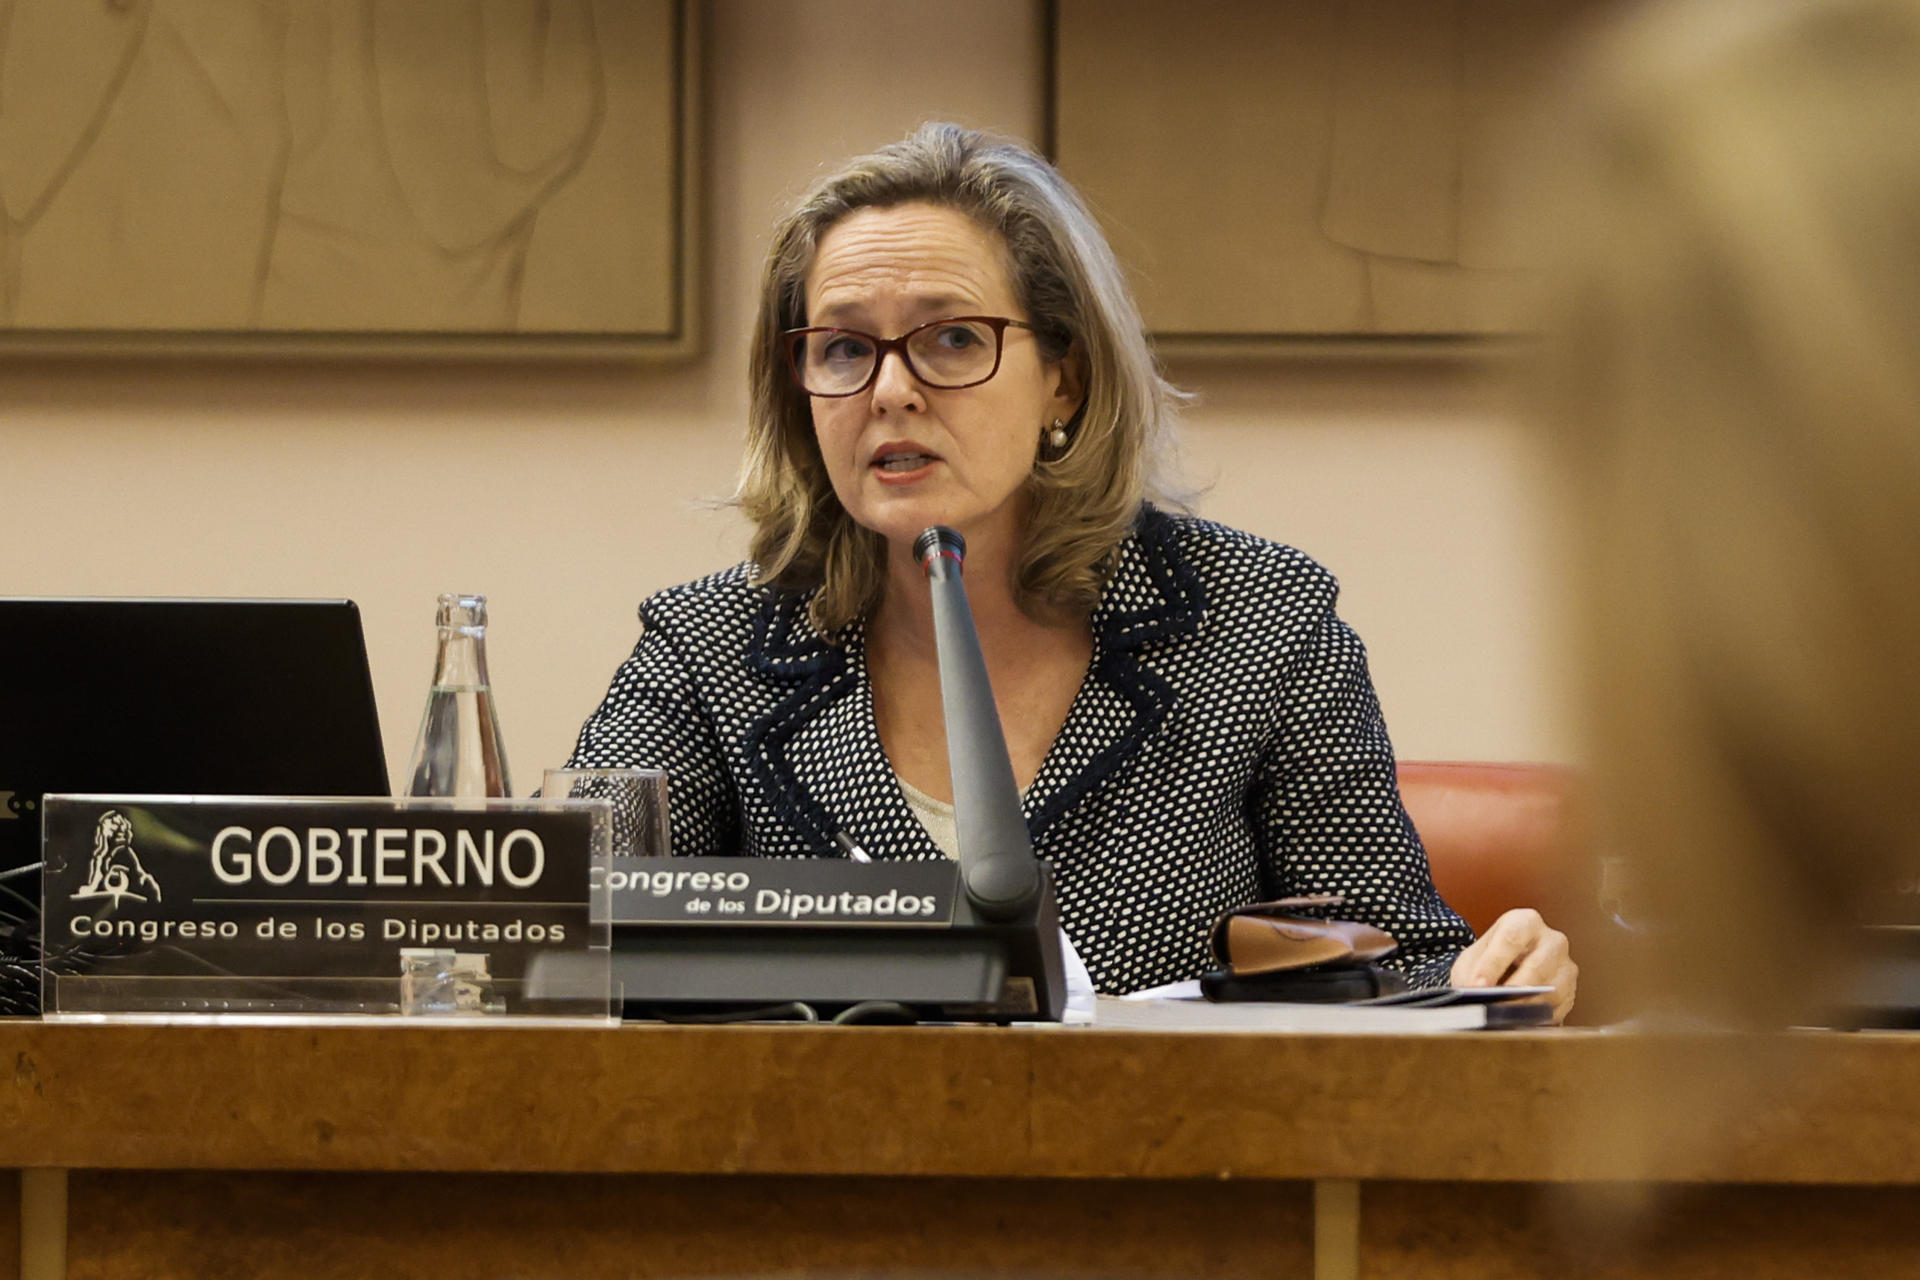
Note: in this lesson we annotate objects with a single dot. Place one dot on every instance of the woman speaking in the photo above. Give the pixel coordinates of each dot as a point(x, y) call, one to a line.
point(944, 337)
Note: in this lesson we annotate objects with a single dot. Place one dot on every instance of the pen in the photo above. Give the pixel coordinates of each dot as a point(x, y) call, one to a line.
point(845, 844)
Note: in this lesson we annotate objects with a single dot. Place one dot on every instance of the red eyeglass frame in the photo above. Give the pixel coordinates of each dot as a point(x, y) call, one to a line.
point(999, 325)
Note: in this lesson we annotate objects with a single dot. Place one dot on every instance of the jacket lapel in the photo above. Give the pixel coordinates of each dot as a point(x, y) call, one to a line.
point(816, 751)
point(806, 675)
point(1153, 601)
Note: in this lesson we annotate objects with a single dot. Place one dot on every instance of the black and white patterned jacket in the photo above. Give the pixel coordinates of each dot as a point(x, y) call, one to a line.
point(1225, 747)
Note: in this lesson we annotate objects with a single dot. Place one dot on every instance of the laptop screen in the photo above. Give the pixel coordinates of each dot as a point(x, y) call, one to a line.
point(207, 697)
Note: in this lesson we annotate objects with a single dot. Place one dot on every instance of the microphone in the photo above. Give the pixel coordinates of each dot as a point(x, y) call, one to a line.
point(998, 872)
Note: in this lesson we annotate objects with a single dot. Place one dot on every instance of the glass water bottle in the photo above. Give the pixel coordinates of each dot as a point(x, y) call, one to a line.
point(459, 751)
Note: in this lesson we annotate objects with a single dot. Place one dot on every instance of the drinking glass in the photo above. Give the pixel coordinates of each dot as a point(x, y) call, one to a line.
point(639, 799)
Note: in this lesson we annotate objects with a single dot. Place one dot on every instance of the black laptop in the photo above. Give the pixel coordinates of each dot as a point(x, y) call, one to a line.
point(195, 697)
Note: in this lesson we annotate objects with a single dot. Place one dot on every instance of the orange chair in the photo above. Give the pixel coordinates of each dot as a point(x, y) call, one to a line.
point(1500, 836)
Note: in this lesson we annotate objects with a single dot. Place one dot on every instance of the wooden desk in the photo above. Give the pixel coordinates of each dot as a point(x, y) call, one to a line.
point(650, 1151)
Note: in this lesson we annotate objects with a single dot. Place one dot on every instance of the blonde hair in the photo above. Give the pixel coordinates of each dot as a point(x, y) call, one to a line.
point(1734, 385)
point(1083, 502)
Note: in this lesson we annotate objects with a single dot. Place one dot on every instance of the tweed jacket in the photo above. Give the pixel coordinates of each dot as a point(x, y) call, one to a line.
point(1224, 747)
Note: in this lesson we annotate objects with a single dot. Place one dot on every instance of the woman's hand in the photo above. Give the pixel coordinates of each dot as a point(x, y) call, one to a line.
point(1521, 951)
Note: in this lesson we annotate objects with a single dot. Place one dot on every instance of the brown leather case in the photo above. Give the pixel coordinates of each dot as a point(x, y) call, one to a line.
point(1267, 937)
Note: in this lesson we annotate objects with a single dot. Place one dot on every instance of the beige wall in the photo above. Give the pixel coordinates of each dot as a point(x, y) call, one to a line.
point(568, 492)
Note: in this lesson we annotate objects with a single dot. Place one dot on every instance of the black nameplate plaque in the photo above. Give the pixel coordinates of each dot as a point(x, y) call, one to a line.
point(800, 892)
point(154, 886)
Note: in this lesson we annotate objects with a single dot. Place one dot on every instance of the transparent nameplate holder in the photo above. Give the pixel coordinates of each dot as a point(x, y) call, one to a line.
point(433, 911)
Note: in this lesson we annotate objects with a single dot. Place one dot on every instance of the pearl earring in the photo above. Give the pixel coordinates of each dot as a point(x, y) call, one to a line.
point(1058, 436)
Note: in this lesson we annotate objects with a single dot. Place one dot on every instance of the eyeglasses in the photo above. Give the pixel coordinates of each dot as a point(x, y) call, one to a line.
point(959, 351)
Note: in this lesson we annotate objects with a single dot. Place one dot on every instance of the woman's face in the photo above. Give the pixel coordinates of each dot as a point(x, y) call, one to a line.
point(903, 455)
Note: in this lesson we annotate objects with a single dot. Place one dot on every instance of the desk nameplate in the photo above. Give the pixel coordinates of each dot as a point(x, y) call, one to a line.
point(792, 892)
point(176, 904)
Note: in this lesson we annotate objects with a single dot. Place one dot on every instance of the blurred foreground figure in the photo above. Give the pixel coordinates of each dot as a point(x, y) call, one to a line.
point(1733, 388)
